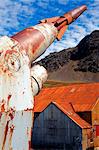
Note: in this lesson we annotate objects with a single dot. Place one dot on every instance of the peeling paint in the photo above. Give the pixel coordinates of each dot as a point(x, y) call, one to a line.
point(16, 96)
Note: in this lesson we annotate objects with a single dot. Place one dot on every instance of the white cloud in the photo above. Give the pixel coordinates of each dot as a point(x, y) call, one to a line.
point(64, 2)
point(10, 14)
point(14, 15)
point(88, 22)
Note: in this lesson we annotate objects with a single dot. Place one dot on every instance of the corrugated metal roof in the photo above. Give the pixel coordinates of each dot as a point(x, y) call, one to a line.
point(66, 109)
point(69, 99)
point(82, 96)
point(69, 111)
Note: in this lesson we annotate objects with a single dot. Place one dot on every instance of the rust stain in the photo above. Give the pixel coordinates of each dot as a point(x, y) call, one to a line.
point(38, 36)
point(82, 98)
point(29, 143)
point(11, 116)
point(11, 113)
point(11, 133)
point(29, 38)
point(0, 115)
point(9, 96)
point(10, 52)
point(28, 109)
point(27, 131)
point(5, 134)
point(2, 105)
point(4, 70)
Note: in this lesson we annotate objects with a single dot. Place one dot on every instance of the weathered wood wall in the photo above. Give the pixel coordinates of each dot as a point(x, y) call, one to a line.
point(52, 128)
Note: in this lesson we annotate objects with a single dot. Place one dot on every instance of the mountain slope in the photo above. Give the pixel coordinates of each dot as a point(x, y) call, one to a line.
point(80, 63)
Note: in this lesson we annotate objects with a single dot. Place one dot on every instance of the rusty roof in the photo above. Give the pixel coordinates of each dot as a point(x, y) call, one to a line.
point(82, 96)
point(69, 111)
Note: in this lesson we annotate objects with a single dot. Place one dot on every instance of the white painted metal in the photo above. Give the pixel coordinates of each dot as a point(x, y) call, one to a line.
point(16, 95)
point(15, 134)
point(49, 31)
point(15, 82)
point(39, 76)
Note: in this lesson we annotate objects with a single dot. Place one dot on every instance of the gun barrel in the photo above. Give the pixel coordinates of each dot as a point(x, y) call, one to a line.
point(35, 40)
point(77, 12)
point(69, 17)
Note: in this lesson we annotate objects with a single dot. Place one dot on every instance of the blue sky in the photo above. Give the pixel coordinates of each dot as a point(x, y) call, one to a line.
point(16, 15)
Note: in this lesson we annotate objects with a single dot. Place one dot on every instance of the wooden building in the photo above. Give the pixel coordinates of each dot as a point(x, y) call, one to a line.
point(67, 117)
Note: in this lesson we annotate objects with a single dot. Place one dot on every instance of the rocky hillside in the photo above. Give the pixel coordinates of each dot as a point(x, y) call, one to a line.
point(80, 63)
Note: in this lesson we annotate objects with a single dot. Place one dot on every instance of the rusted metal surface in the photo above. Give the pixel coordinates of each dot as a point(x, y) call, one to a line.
point(82, 96)
point(19, 82)
point(16, 95)
point(71, 114)
point(36, 39)
point(59, 128)
point(66, 109)
point(13, 76)
point(61, 22)
point(15, 129)
point(77, 12)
